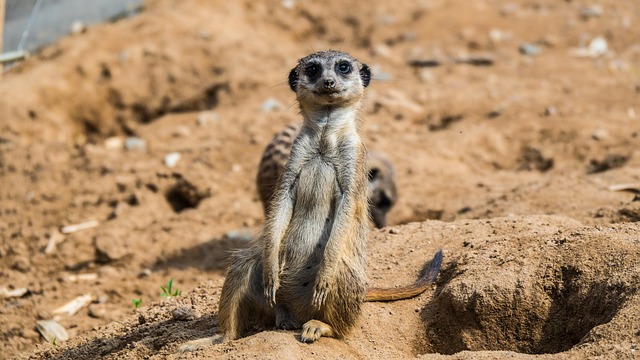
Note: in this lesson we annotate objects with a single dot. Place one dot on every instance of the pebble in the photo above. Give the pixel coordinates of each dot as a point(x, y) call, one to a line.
point(599, 134)
point(171, 159)
point(591, 11)
point(207, 118)
point(529, 49)
point(183, 314)
point(134, 143)
point(239, 235)
point(288, 4)
point(550, 111)
point(108, 248)
point(144, 273)
point(270, 104)
point(394, 231)
point(498, 36)
point(181, 131)
point(97, 311)
point(114, 143)
point(77, 27)
point(598, 46)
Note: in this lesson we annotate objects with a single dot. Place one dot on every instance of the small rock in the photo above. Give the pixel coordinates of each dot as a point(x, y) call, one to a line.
point(497, 36)
point(239, 235)
point(529, 49)
point(97, 311)
point(184, 314)
point(77, 27)
point(288, 4)
point(114, 143)
point(141, 319)
point(108, 248)
point(134, 143)
point(144, 273)
point(591, 11)
point(207, 118)
point(394, 231)
point(598, 46)
point(171, 159)
point(236, 168)
point(181, 131)
point(599, 134)
point(550, 111)
point(270, 104)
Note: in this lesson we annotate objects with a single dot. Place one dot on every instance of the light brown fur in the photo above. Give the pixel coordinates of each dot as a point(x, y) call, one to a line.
point(307, 269)
point(381, 175)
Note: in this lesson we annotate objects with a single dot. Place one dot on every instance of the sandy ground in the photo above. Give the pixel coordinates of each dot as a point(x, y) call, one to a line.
point(506, 121)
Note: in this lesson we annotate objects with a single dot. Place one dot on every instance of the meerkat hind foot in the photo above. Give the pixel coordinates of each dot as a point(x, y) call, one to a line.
point(197, 344)
point(312, 330)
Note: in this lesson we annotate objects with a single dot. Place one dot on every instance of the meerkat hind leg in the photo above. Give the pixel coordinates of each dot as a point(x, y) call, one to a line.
point(312, 330)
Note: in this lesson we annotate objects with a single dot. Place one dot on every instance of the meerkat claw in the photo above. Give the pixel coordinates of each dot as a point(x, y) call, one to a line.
point(320, 293)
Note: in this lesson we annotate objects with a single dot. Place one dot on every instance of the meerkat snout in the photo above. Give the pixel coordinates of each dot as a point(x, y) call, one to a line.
point(329, 84)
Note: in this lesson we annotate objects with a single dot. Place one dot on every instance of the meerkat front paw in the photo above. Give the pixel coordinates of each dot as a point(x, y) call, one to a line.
point(312, 330)
point(271, 285)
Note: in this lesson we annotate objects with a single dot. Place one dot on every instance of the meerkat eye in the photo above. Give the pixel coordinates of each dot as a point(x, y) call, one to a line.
point(312, 70)
point(344, 67)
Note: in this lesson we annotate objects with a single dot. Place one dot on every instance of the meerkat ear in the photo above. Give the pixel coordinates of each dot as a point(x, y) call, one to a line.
point(293, 80)
point(365, 75)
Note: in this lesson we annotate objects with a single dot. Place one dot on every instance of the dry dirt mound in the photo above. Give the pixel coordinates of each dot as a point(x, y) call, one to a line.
point(486, 108)
point(532, 284)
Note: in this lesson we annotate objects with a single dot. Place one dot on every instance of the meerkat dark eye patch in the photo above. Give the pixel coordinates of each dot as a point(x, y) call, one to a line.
point(313, 71)
point(365, 75)
point(344, 67)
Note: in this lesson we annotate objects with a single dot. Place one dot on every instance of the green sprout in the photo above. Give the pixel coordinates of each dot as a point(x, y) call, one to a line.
point(136, 302)
point(168, 290)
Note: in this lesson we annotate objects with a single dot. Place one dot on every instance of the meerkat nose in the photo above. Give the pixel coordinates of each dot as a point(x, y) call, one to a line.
point(329, 84)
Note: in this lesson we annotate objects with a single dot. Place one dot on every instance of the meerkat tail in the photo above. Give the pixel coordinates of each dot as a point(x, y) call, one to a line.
point(429, 275)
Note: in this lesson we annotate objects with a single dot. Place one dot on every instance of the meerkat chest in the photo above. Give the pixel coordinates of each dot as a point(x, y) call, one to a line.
point(317, 186)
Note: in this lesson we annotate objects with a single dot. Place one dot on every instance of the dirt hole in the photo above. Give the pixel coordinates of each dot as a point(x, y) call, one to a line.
point(529, 317)
point(184, 195)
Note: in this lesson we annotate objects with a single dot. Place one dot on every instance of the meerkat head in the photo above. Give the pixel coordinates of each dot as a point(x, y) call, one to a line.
point(328, 78)
point(382, 188)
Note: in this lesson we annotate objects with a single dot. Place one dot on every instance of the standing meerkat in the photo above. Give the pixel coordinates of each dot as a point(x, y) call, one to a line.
point(381, 175)
point(307, 269)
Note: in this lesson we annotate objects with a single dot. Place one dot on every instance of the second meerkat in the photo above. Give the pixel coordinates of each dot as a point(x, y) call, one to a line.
point(307, 269)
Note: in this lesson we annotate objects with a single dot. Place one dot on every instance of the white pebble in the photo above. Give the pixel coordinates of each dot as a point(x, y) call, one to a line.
point(171, 159)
